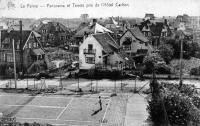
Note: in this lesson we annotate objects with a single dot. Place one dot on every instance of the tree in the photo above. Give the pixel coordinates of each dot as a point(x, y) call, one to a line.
point(166, 51)
point(151, 61)
point(194, 49)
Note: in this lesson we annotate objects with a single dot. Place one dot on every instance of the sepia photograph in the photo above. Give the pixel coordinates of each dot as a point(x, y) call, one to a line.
point(99, 63)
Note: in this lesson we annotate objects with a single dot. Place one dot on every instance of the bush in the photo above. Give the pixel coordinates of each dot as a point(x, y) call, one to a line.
point(166, 51)
point(160, 69)
point(186, 89)
point(155, 61)
point(195, 71)
point(32, 124)
point(181, 106)
point(163, 69)
point(196, 101)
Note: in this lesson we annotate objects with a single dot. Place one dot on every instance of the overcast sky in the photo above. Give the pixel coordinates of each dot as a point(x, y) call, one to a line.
point(135, 8)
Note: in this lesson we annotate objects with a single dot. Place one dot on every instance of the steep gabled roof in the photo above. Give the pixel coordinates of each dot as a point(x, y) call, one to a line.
point(82, 25)
point(138, 34)
point(93, 29)
point(16, 36)
point(51, 26)
point(107, 42)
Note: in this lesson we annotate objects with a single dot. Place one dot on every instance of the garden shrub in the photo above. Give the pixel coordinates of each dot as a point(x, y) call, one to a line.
point(163, 69)
point(196, 101)
point(182, 106)
point(195, 71)
point(186, 89)
point(32, 124)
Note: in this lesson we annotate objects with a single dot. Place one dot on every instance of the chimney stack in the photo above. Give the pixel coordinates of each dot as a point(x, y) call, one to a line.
point(94, 21)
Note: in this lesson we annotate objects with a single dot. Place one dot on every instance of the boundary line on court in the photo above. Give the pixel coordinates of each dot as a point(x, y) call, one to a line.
point(64, 109)
point(55, 120)
point(106, 98)
point(39, 106)
point(65, 125)
point(105, 112)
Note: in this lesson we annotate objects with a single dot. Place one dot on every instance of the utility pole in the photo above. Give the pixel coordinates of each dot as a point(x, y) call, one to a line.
point(61, 86)
point(14, 61)
point(21, 46)
point(181, 71)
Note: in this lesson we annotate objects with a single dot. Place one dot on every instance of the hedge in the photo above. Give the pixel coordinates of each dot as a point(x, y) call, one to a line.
point(177, 107)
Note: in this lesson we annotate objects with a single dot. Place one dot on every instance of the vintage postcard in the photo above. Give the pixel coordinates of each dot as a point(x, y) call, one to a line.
point(99, 62)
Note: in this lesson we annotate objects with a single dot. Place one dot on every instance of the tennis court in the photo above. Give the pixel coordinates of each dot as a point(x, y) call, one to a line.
point(57, 110)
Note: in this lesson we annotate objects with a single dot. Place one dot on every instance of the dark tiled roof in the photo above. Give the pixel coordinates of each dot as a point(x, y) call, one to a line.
point(86, 30)
point(138, 35)
point(107, 42)
point(51, 26)
point(91, 29)
point(82, 25)
point(15, 35)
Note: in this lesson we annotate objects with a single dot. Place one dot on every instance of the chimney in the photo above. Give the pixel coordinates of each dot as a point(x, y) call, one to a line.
point(94, 21)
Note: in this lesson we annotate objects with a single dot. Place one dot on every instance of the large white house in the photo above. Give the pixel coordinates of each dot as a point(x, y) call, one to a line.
point(99, 48)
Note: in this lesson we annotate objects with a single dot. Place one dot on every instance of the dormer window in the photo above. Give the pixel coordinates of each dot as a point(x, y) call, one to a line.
point(44, 31)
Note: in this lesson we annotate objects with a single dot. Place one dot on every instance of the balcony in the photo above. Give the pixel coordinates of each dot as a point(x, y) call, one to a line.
point(89, 51)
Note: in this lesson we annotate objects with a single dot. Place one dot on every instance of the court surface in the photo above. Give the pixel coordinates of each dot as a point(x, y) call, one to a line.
point(61, 110)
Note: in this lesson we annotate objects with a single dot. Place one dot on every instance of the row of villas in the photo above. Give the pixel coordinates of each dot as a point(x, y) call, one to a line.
point(99, 48)
point(32, 50)
point(133, 42)
point(112, 44)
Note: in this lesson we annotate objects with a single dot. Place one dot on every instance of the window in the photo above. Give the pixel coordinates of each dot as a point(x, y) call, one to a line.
point(9, 57)
point(29, 45)
point(34, 45)
point(62, 37)
point(2, 57)
point(18, 45)
point(149, 34)
point(90, 46)
point(126, 47)
point(128, 40)
point(44, 31)
point(90, 60)
point(43, 39)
